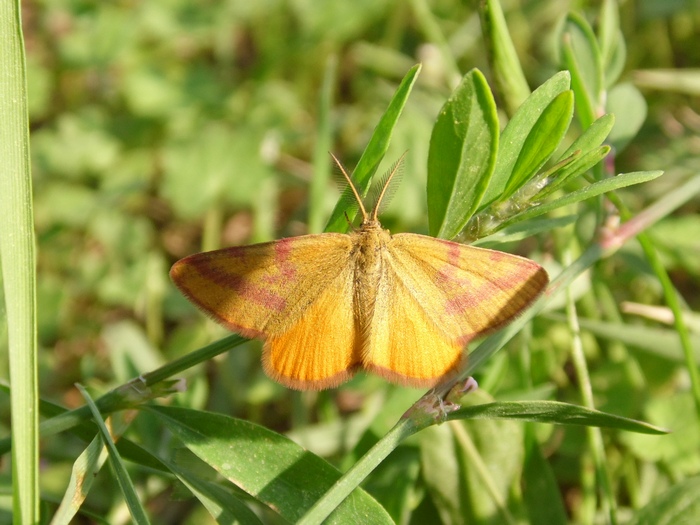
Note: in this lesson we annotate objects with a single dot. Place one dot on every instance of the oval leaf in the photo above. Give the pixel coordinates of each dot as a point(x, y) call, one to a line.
point(581, 55)
point(518, 129)
point(542, 141)
point(630, 108)
point(462, 155)
point(268, 466)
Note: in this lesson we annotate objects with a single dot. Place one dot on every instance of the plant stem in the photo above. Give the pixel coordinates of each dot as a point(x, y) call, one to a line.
point(359, 471)
point(595, 438)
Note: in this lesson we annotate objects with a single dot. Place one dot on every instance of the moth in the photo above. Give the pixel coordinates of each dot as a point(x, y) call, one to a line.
point(401, 306)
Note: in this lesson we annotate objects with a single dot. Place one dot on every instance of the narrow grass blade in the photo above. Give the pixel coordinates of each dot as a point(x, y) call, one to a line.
point(221, 504)
point(578, 166)
point(120, 397)
point(686, 81)
point(18, 264)
point(660, 342)
point(554, 412)
point(376, 149)
point(137, 511)
point(431, 28)
point(679, 504)
point(611, 42)
point(630, 106)
point(88, 464)
point(540, 484)
point(82, 476)
point(593, 137)
point(352, 479)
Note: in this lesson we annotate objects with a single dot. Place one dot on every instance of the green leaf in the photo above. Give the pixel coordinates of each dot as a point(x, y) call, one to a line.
point(613, 51)
point(679, 450)
point(593, 137)
point(83, 473)
point(540, 484)
point(266, 465)
point(676, 236)
point(620, 181)
point(469, 468)
point(492, 454)
point(507, 70)
point(582, 57)
point(554, 412)
point(17, 246)
point(541, 142)
point(630, 109)
point(88, 464)
point(660, 342)
point(136, 391)
point(679, 505)
point(395, 482)
point(220, 503)
point(324, 142)
point(198, 169)
point(441, 472)
point(517, 131)
point(523, 230)
point(375, 150)
point(138, 513)
point(462, 155)
point(578, 166)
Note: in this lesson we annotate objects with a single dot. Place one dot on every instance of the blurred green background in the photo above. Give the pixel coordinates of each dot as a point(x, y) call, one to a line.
point(166, 127)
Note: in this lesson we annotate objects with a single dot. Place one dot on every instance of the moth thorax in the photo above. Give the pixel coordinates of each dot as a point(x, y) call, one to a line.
point(370, 245)
point(370, 224)
point(369, 249)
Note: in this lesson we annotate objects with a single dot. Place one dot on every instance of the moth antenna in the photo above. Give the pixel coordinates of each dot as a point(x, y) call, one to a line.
point(347, 200)
point(394, 171)
point(351, 186)
point(385, 188)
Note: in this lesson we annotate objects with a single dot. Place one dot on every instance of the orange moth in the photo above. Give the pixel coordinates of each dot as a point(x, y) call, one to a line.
point(402, 306)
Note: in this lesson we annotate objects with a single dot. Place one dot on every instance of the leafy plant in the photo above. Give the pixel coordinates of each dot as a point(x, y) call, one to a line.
point(147, 119)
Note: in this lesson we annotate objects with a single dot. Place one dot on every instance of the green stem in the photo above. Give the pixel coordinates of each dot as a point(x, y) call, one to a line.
point(324, 143)
point(482, 471)
point(359, 471)
point(681, 194)
point(122, 396)
point(433, 33)
point(595, 438)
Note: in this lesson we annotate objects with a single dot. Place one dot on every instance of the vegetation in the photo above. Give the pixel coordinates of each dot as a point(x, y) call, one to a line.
point(163, 128)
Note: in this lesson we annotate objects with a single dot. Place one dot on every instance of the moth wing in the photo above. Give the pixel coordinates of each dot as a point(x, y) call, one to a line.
point(434, 297)
point(321, 349)
point(295, 293)
point(262, 290)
